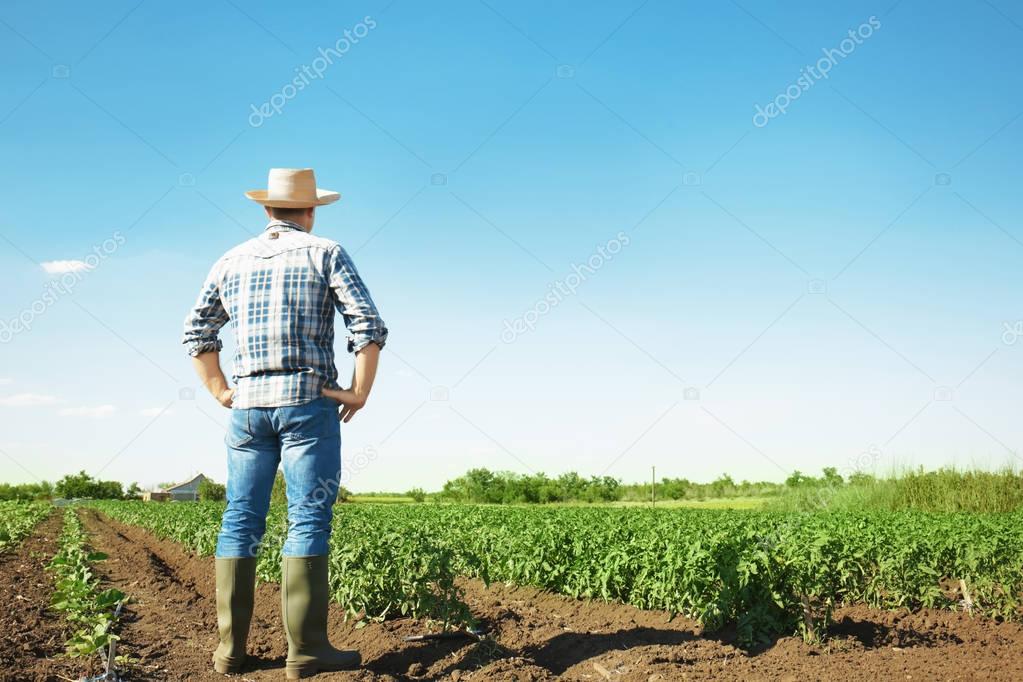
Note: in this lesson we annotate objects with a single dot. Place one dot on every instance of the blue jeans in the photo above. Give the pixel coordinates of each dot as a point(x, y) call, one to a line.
point(307, 439)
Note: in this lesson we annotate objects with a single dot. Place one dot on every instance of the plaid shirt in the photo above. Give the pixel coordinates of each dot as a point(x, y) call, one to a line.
point(279, 291)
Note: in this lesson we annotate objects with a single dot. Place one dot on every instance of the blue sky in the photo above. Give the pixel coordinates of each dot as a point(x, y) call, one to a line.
point(836, 286)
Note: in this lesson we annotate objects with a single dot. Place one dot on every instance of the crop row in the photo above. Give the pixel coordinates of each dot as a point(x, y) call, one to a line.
point(89, 611)
point(17, 519)
point(769, 573)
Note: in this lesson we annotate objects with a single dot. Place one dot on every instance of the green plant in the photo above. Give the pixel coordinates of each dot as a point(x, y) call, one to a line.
point(768, 573)
point(90, 612)
point(211, 492)
point(17, 519)
point(82, 485)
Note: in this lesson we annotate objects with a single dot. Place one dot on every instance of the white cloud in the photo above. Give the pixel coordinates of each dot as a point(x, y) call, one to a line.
point(155, 411)
point(59, 267)
point(98, 412)
point(28, 400)
point(4, 381)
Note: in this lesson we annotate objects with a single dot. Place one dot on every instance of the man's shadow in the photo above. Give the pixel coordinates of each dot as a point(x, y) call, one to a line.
point(557, 654)
point(563, 651)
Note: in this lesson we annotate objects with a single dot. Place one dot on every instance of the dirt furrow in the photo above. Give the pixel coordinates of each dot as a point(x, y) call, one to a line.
point(31, 635)
point(169, 627)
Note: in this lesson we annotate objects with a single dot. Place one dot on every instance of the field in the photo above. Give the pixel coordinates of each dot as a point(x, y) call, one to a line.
point(17, 521)
point(573, 592)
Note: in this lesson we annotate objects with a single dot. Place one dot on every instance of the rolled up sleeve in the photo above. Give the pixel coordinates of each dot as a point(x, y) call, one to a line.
point(352, 300)
point(207, 317)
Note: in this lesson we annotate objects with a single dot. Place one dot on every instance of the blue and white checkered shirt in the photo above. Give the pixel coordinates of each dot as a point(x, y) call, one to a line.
point(279, 291)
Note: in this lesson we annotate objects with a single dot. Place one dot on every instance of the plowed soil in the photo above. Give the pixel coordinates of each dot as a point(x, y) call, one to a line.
point(32, 636)
point(169, 633)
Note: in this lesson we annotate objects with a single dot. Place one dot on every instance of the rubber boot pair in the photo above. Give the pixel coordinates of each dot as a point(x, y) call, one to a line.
point(304, 599)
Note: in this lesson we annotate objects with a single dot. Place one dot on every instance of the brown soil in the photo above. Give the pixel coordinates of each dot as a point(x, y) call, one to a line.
point(169, 631)
point(32, 636)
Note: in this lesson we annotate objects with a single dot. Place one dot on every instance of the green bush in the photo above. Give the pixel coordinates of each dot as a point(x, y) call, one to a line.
point(212, 492)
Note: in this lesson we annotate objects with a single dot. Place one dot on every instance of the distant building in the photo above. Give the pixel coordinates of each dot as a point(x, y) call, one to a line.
point(182, 492)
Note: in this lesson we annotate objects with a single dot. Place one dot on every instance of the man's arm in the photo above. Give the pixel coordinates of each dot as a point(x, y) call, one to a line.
point(353, 399)
point(367, 329)
point(202, 338)
point(207, 366)
point(352, 300)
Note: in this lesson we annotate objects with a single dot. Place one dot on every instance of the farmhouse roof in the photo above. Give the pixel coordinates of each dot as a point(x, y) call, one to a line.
point(172, 488)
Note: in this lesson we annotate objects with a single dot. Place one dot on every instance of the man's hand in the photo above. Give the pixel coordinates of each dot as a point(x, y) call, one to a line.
point(349, 401)
point(352, 399)
point(226, 397)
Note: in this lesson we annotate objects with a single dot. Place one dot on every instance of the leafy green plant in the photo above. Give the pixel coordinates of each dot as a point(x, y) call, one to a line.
point(17, 519)
point(767, 573)
point(90, 612)
point(210, 491)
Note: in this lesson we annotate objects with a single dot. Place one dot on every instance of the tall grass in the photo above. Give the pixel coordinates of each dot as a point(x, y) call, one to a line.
point(944, 490)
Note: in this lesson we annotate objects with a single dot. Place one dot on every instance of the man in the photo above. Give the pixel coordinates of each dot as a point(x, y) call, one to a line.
point(279, 291)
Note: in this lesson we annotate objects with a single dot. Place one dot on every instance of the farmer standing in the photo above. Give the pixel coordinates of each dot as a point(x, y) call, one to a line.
point(279, 291)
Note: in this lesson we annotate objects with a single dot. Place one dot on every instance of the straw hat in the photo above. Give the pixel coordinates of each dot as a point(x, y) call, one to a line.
point(292, 188)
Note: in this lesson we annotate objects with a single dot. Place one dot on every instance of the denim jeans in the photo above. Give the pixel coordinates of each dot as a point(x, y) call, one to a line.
point(307, 439)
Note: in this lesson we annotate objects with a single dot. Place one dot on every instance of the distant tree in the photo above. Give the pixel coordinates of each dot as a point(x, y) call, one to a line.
point(211, 492)
point(26, 492)
point(134, 492)
point(571, 486)
point(547, 490)
point(476, 485)
point(861, 478)
point(722, 486)
point(674, 488)
point(483, 486)
point(75, 485)
point(84, 485)
point(42, 490)
point(506, 487)
point(832, 478)
point(797, 479)
point(602, 489)
point(417, 494)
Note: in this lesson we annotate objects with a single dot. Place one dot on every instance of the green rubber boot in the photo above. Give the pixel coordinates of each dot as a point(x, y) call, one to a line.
point(304, 597)
point(236, 593)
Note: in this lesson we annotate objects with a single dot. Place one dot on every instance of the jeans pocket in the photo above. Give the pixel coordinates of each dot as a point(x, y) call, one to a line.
point(239, 433)
point(330, 407)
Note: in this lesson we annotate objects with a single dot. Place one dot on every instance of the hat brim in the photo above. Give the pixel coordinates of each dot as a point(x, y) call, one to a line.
point(323, 197)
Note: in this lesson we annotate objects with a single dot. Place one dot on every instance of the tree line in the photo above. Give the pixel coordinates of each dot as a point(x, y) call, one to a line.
point(505, 487)
point(80, 485)
point(84, 486)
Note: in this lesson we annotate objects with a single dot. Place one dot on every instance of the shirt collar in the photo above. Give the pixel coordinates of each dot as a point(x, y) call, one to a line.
point(284, 225)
